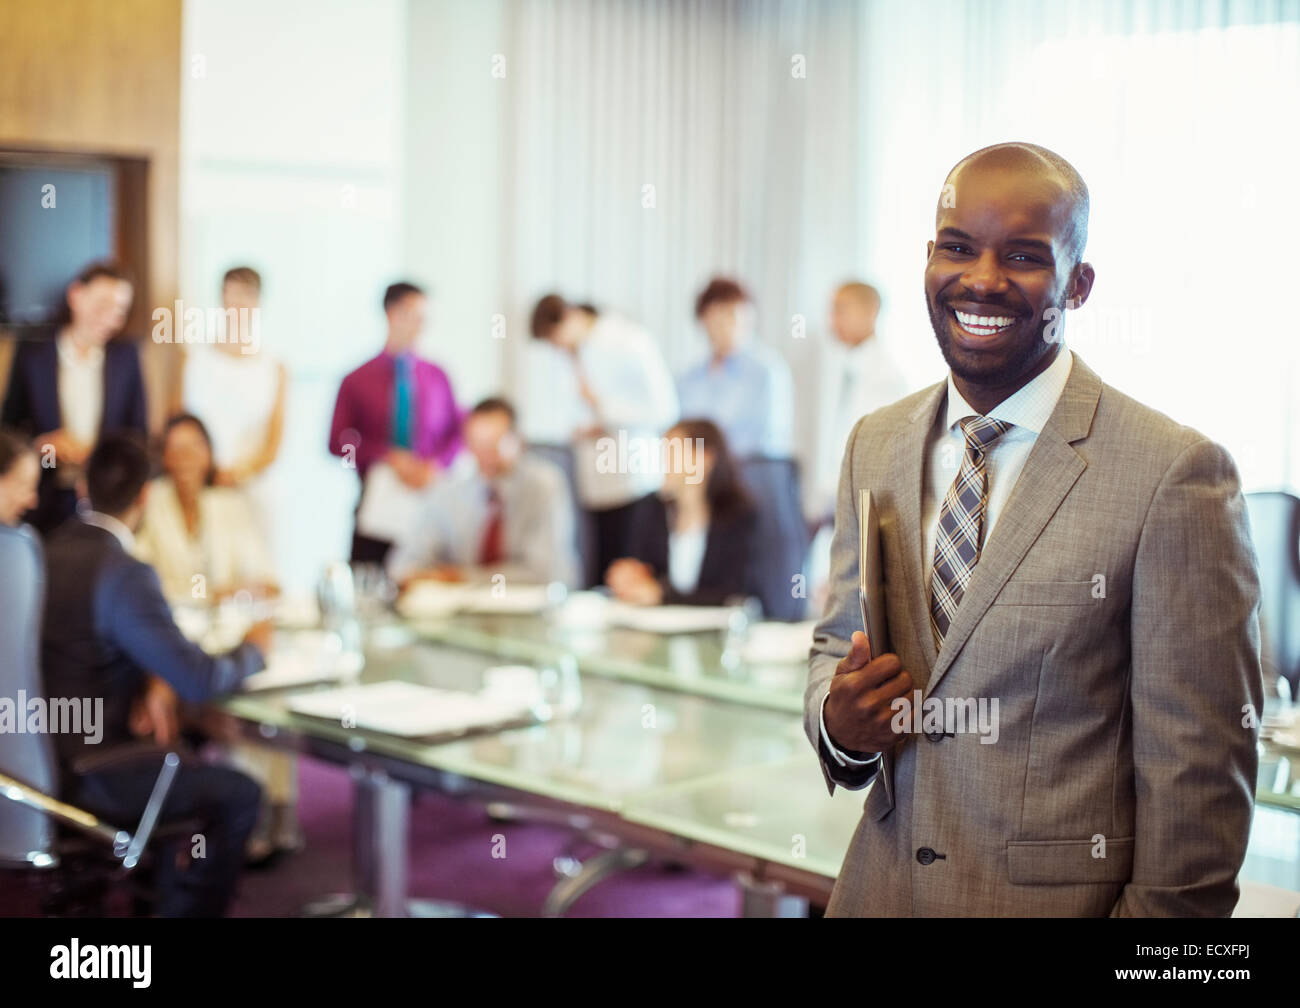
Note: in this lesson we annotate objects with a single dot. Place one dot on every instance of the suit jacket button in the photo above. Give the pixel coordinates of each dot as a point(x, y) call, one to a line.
point(925, 855)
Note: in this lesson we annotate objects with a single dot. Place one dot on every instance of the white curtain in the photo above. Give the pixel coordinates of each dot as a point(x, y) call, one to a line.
point(653, 143)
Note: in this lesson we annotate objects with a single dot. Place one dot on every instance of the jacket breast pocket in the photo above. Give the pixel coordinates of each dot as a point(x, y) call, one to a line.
point(1061, 862)
point(1049, 593)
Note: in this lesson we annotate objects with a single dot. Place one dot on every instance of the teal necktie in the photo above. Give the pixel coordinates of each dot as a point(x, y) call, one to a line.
point(402, 395)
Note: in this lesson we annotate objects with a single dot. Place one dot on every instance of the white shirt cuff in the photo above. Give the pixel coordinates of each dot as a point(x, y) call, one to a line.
point(841, 758)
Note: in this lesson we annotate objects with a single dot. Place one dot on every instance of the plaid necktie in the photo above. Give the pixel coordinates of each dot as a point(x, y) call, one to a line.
point(961, 525)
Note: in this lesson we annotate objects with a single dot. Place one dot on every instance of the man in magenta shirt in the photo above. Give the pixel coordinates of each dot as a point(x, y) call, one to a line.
point(396, 408)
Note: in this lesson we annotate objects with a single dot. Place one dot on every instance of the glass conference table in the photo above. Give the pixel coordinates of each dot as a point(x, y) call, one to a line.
point(677, 749)
point(726, 785)
point(710, 663)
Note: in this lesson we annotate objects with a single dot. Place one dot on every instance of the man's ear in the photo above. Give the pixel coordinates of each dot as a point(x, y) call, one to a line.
point(929, 250)
point(1081, 285)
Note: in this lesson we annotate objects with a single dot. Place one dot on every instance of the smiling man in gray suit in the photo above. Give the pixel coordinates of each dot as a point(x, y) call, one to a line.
point(1062, 558)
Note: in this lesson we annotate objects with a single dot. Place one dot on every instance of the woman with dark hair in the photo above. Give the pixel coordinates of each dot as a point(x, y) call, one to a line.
point(76, 384)
point(20, 474)
point(693, 542)
point(206, 545)
point(202, 539)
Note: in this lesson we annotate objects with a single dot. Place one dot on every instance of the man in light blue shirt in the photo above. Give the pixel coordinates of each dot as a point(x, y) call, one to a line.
point(509, 514)
point(743, 387)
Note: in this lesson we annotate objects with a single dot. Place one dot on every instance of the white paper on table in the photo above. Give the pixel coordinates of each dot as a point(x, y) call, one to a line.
point(303, 658)
point(389, 508)
point(772, 642)
point(433, 599)
point(670, 619)
point(510, 599)
point(411, 710)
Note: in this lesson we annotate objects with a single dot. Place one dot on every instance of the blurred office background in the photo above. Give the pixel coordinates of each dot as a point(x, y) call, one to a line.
point(624, 152)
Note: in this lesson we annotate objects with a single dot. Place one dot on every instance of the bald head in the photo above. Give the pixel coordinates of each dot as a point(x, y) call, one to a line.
point(854, 309)
point(1044, 167)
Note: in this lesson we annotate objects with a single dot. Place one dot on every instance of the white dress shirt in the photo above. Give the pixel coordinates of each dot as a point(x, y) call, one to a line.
point(686, 556)
point(853, 381)
point(227, 551)
point(636, 403)
point(81, 389)
point(537, 525)
point(112, 526)
point(1027, 411)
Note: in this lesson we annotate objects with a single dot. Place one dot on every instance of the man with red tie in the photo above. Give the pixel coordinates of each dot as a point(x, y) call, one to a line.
point(508, 519)
point(397, 409)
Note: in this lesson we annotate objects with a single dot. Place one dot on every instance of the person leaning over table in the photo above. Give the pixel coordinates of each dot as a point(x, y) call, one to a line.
point(508, 515)
point(107, 626)
point(693, 542)
point(1052, 545)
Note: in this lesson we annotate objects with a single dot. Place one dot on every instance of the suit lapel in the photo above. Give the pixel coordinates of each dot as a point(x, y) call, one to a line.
point(1052, 469)
point(108, 405)
point(909, 463)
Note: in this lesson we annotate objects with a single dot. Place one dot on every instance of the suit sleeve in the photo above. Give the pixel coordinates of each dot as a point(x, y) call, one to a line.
point(137, 403)
point(345, 436)
point(842, 617)
point(1195, 691)
point(17, 411)
point(132, 613)
point(728, 576)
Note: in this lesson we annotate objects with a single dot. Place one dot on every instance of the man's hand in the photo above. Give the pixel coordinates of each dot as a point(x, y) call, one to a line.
point(66, 448)
point(448, 573)
point(412, 470)
point(156, 712)
point(632, 581)
point(858, 711)
point(259, 635)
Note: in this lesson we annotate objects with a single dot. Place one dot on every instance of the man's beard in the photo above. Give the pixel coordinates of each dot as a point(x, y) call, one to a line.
point(1020, 358)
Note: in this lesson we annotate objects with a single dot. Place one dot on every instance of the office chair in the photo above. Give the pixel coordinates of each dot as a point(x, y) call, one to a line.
point(1275, 528)
point(78, 854)
point(773, 484)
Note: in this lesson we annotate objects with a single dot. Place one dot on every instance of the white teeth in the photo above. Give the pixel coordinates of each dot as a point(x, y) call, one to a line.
point(983, 325)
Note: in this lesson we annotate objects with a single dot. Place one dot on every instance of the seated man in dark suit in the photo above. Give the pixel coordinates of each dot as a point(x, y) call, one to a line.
point(74, 384)
point(693, 543)
point(107, 627)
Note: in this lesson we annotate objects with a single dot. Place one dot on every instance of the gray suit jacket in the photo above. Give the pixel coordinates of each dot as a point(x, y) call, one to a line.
point(1123, 777)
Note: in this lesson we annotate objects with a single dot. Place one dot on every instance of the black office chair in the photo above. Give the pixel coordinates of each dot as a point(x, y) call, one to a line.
point(782, 534)
point(77, 855)
point(1275, 528)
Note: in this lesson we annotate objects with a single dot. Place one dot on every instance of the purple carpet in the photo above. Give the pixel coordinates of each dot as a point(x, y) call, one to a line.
point(452, 844)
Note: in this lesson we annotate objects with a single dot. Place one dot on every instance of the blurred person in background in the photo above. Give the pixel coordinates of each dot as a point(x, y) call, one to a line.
point(742, 386)
point(206, 546)
point(856, 376)
point(239, 390)
point(625, 394)
point(397, 409)
point(20, 475)
point(509, 514)
point(107, 627)
point(201, 538)
point(693, 542)
point(75, 385)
